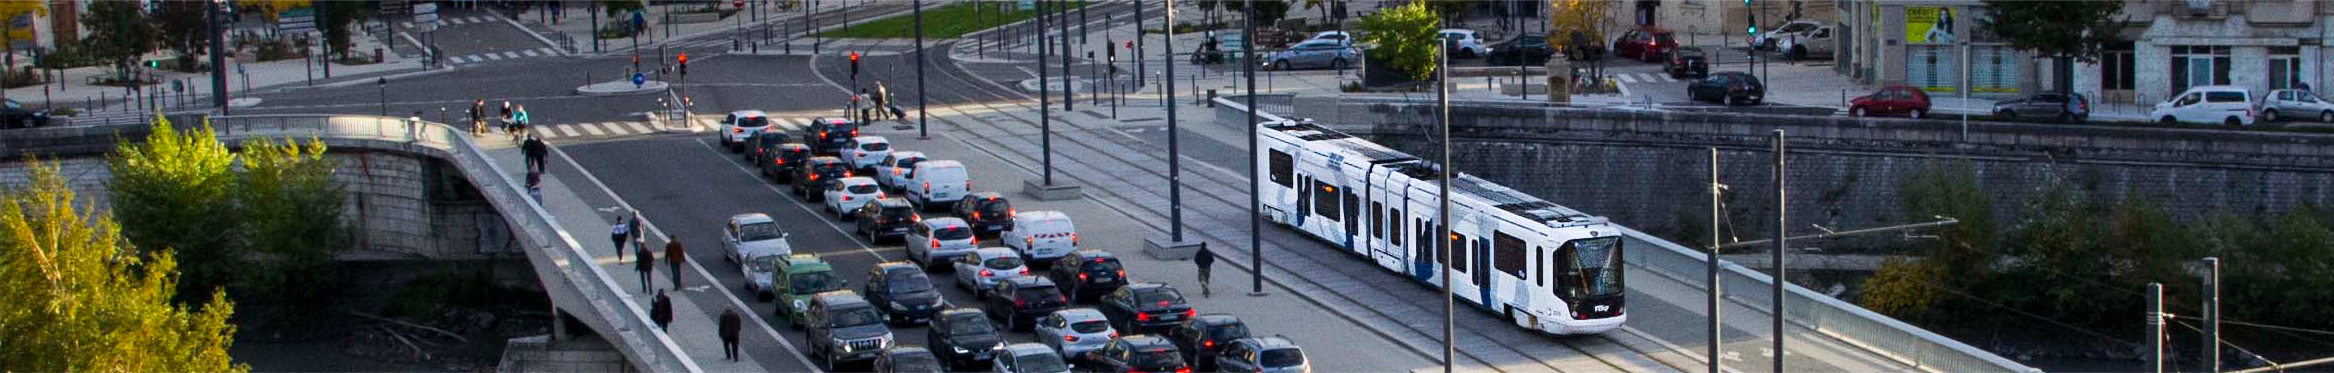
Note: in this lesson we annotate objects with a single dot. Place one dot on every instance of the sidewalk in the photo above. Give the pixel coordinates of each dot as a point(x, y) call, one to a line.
point(71, 90)
point(576, 24)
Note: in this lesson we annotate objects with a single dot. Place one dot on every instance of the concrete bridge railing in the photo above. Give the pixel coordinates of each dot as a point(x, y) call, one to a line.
point(1803, 307)
point(576, 285)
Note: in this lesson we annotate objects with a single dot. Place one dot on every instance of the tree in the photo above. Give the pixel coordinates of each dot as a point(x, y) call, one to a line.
point(82, 300)
point(118, 33)
point(1951, 191)
point(1405, 38)
point(2065, 31)
point(267, 9)
point(1900, 288)
point(183, 26)
point(1581, 21)
point(177, 191)
point(620, 7)
point(1269, 12)
point(292, 218)
point(333, 17)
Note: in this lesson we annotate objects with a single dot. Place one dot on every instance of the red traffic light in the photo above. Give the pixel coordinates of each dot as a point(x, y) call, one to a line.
point(1130, 44)
point(854, 56)
point(684, 57)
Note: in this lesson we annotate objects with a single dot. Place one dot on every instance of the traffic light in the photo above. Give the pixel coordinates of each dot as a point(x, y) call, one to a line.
point(1753, 17)
point(684, 59)
point(154, 64)
point(854, 65)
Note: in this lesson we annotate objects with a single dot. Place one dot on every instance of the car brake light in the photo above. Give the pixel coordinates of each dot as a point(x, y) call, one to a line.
point(1019, 303)
point(936, 245)
point(737, 130)
point(915, 217)
point(1183, 370)
point(1189, 312)
point(1026, 241)
point(1142, 317)
point(1061, 298)
point(854, 132)
point(976, 241)
point(987, 273)
point(778, 161)
point(1208, 343)
point(878, 195)
point(846, 198)
point(895, 171)
point(1009, 212)
point(1024, 271)
point(846, 173)
point(1073, 239)
point(1122, 273)
point(976, 215)
point(1114, 334)
point(1162, 303)
point(1069, 338)
point(814, 176)
point(1081, 277)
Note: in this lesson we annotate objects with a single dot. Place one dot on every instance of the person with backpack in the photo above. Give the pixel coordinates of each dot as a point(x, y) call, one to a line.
point(536, 152)
point(1204, 259)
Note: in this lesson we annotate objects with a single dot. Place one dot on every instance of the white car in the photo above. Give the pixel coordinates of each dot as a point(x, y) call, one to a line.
point(739, 126)
point(2211, 104)
point(753, 235)
point(1042, 235)
point(892, 172)
point(758, 272)
point(1074, 331)
point(1769, 39)
point(935, 240)
point(983, 268)
point(863, 152)
point(2295, 103)
point(1817, 43)
point(1464, 43)
point(846, 195)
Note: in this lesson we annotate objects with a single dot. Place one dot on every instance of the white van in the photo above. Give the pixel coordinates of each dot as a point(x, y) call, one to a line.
point(1042, 236)
point(2211, 104)
point(937, 182)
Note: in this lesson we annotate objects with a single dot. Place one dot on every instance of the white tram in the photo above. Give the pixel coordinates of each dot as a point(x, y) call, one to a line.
point(1542, 266)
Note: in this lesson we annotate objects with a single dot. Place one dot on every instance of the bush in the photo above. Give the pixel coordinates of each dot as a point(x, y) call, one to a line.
point(276, 50)
point(66, 56)
point(24, 77)
point(1405, 38)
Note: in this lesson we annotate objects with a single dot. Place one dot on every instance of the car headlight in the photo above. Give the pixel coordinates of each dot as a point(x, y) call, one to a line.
point(886, 341)
point(799, 305)
point(845, 344)
point(960, 350)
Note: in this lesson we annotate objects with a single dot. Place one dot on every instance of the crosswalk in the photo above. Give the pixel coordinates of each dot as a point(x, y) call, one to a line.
point(505, 55)
point(450, 21)
point(1644, 78)
point(608, 129)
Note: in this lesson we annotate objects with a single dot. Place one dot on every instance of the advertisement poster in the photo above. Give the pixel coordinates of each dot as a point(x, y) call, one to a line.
point(1928, 25)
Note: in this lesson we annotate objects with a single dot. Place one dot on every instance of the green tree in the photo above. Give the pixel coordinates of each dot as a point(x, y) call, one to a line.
point(1951, 191)
point(177, 190)
point(118, 33)
point(2066, 31)
point(334, 17)
point(1269, 12)
point(1405, 39)
point(615, 8)
point(183, 26)
point(1900, 288)
point(292, 221)
point(82, 300)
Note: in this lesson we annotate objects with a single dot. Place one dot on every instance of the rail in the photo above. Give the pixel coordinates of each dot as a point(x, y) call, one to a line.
point(550, 246)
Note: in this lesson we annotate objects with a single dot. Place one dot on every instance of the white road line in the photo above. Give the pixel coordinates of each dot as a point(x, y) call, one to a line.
point(545, 132)
point(592, 128)
point(1666, 78)
point(1626, 79)
point(616, 129)
point(637, 127)
point(510, 55)
point(528, 53)
point(568, 130)
point(490, 56)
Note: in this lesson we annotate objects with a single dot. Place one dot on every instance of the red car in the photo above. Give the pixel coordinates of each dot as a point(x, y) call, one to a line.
point(1649, 44)
point(1891, 101)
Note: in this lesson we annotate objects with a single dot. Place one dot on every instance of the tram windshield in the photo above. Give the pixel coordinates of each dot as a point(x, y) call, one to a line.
point(1590, 268)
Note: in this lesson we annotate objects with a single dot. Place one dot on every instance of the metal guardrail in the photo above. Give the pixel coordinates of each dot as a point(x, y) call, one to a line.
point(651, 348)
point(1823, 314)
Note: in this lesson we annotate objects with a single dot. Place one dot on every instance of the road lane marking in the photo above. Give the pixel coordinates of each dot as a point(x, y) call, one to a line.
point(637, 127)
point(1625, 78)
point(567, 130)
point(592, 128)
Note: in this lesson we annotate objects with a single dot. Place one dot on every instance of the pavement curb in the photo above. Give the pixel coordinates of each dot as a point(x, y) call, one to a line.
point(620, 88)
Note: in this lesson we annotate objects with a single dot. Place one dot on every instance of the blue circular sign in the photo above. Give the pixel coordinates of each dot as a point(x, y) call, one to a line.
point(638, 78)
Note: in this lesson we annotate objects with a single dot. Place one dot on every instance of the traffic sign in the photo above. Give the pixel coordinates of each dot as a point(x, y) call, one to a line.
point(425, 13)
point(639, 79)
point(296, 20)
point(740, 4)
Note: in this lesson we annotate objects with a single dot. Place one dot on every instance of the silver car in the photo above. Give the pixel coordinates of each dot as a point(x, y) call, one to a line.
point(758, 272)
point(1028, 358)
point(933, 242)
point(2289, 104)
point(1073, 332)
point(1323, 54)
point(980, 270)
point(1273, 354)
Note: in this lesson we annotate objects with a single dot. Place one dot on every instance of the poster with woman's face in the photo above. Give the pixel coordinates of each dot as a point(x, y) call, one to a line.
point(1928, 25)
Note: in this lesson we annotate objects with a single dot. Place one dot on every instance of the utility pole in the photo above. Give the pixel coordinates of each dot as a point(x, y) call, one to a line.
point(1045, 106)
point(1442, 101)
point(1139, 71)
point(923, 128)
point(1710, 266)
point(218, 57)
point(1782, 242)
point(1255, 219)
point(2155, 330)
point(1069, 91)
point(1174, 150)
point(2212, 314)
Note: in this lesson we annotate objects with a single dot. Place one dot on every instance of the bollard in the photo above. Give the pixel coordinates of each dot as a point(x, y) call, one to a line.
point(1211, 99)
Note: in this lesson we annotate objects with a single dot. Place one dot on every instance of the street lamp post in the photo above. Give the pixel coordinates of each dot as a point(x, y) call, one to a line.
point(1255, 219)
point(1045, 108)
point(1442, 98)
point(383, 83)
point(923, 128)
point(218, 57)
point(1069, 91)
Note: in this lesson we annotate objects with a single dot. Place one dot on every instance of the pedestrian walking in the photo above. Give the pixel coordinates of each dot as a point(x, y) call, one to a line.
point(1204, 258)
point(645, 263)
point(535, 186)
point(505, 116)
point(882, 99)
point(661, 311)
point(639, 236)
point(730, 325)
point(674, 256)
point(536, 152)
point(617, 234)
point(863, 110)
point(519, 123)
point(478, 117)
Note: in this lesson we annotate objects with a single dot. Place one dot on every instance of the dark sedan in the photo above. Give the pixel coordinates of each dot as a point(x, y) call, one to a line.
point(2057, 106)
point(1728, 88)
point(1526, 50)
point(1143, 308)
point(16, 115)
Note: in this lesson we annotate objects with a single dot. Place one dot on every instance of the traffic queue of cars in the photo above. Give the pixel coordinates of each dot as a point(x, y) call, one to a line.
point(1033, 282)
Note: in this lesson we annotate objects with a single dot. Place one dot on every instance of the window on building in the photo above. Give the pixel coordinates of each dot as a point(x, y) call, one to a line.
point(2197, 65)
point(2116, 68)
point(2285, 66)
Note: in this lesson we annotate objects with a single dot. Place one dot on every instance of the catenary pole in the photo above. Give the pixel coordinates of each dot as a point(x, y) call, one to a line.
point(1255, 219)
point(1710, 266)
point(1045, 108)
point(1174, 128)
point(923, 128)
point(1442, 98)
point(1782, 240)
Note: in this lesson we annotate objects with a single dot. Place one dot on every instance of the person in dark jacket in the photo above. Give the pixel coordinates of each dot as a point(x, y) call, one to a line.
point(662, 312)
point(644, 264)
point(730, 323)
point(536, 152)
point(618, 234)
point(1204, 258)
point(674, 256)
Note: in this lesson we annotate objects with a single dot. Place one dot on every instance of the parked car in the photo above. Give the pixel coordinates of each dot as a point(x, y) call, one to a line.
point(1687, 62)
point(815, 175)
point(1463, 43)
point(963, 336)
point(2224, 104)
point(2295, 103)
point(1522, 50)
point(1768, 39)
point(1647, 44)
point(892, 171)
point(1146, 307)
point(847, 194)
point(827, 136)
point(989, 213)
point(751, 235)
point(2060, 106)
point(1727, 88)
point(1138, 353)
point(1274, 354)
point(845, 327)
point(1018, 300)
point(739, 126)
point(1087, 273)
point(1201, 337)
point(934, 242)
point(1312, 54)
point(16, 115)
point(1339, 37)
point(903, 292)
point(1029, 358)
point(1895, 100)
point(982, 269)
point(800, 277)
point(885, 218)
point(1074, 331)
point(1817, 43)
point(760, 146)
point(784, 159)
point(908, 359)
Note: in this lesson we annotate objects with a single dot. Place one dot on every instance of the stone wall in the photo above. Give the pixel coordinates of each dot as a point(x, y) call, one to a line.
point(1647, 169)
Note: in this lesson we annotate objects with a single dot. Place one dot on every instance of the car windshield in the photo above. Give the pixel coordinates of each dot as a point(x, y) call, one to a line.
point(875, 146)
point(909, 282)
point(1159, 295)
point(996, 208)
point(970, 324)
point(915, 363)
point(1002, 262)
point(1796, 27)
point(861, 188)
point(813, 283)
point(1228, 331)
point(829, 168)
point(909, 163)
point(1281, 357)
point(952, 233)
point(855, 316)
point(1593, 270)
point(766, 263)
point(1090, 326)
point(1155, 358)
point(753, 121)
point(1039, 363)
point(757, 231)
point(1036, 294)
point(13, 105)
point(895, 213)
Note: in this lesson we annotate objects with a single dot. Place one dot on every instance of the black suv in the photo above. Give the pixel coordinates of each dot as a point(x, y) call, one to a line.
point(827, 136)
point(885, 218)
point(987, 212)
point(1020, 300)
point(759, 147)
point(908, 360)
point(1522, 50)
point(1138, 353)
point(1138, 308)
point(963, 336)
point(787, 158)
point(844, 327)
point(1203, 336)
point(903, 292)
point(1687, 62)
point(815, 174)
point(1086, 273)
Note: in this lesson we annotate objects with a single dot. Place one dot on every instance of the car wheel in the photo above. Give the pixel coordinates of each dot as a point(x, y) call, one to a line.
point(2167, 120)
point(2233, 122)
point(1767, 45)
point(2326, 116)
point(2269, 115)
point(1726, 99)
point(1920, 113)
point(1277, 65)
point(1858, 112)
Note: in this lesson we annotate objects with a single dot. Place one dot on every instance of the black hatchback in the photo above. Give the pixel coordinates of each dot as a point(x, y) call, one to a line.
point(1140, 308)
point(759, 147)
point(1087, 273)
point(816, 173)
point(827, 136)
point(784, 160)
point(1019, 300)
point(1524, 50)
point(1729, 88)
point(1687, 62)
point(885, 218)
point(1138, 353)
point(987, 212)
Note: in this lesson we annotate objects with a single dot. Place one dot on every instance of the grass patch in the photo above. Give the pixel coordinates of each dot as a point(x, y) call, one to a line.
point(944, 22)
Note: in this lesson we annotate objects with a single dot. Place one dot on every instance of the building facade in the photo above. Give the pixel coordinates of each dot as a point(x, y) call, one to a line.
point(1936, 45)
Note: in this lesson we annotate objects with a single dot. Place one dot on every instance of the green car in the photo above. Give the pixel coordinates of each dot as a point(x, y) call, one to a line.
point(804, 277)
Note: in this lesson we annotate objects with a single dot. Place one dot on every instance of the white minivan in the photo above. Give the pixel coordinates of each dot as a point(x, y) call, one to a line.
point(937, 183)
point(1042, 236)
point(2211, 104)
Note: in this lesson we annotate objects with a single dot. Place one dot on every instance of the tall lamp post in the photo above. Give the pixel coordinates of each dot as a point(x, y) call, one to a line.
point(1174, 242)
point(1442, 98)
point(923, 129)
point(1255, 219)
point(218, 58)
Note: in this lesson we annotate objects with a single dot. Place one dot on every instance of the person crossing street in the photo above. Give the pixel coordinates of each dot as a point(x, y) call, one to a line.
point(618, 233)
point(536, 151)
point(882, 98)
point(478, 117)
point(644, 263)
point(1204, 258)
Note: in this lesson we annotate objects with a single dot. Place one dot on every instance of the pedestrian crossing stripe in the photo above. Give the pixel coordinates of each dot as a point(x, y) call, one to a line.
point(700, 122)
point(497, 56)
point(592, 128)
point(454, 21)
point(1644, 78)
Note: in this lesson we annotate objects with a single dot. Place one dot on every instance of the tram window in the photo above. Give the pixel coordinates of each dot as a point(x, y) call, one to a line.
point(1460, 243)
point(1324, 200)
point(1507, 254)
point(1377, 220)
point(1394, 220)
point(1282, 164)
point(1539, 265)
